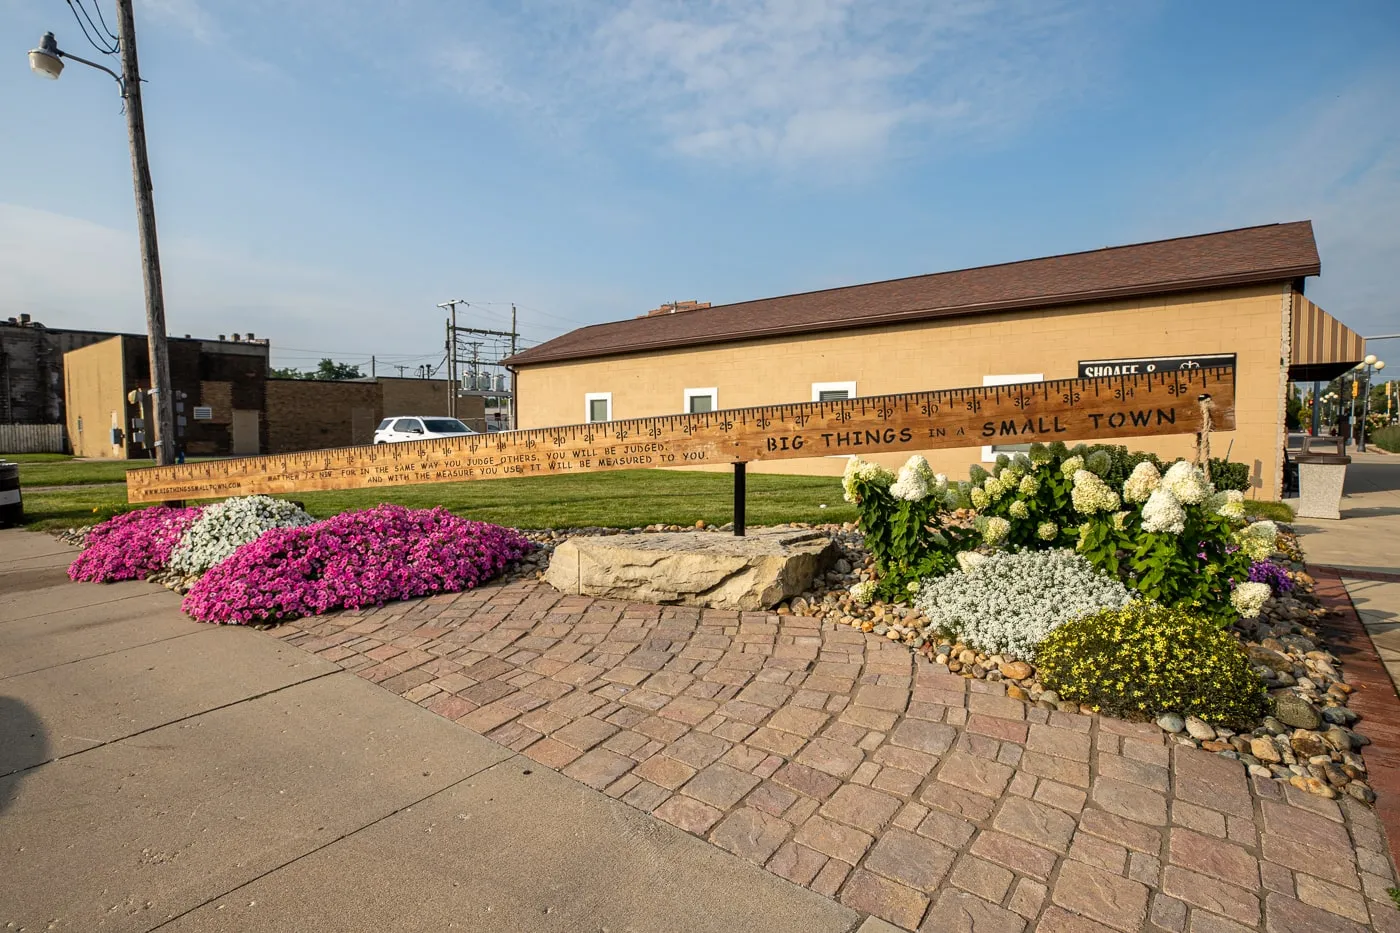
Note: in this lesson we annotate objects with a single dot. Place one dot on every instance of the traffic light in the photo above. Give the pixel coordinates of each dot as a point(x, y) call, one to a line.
point(1355, 388)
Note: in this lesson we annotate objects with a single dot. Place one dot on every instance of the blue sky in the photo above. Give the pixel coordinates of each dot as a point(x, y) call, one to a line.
point(327, 172)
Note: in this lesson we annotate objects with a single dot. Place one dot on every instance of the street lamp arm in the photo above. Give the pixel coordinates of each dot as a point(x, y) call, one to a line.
point(115, 77)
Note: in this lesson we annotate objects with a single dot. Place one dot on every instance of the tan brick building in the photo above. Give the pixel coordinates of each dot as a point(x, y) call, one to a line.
point(1238, 293)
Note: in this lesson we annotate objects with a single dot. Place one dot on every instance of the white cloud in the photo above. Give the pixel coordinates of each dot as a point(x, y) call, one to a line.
point(744, 82)
point(1334, 160)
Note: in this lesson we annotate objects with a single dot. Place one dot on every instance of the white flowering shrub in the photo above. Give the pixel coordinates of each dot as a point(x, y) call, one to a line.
point(1143, 481)
point(1009, 601)
point(863, 593)
point(1091, 494)
point(1163, 513)
point(222, 528)
point(1258, 540)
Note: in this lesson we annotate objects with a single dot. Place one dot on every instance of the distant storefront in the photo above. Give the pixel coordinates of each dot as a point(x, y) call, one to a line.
point(1235, 296)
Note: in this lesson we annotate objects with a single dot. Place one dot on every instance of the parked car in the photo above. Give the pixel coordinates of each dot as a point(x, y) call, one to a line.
point(418, 428)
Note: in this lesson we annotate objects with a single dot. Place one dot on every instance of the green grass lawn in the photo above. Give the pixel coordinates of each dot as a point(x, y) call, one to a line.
point(63, 470)
point(624, 499)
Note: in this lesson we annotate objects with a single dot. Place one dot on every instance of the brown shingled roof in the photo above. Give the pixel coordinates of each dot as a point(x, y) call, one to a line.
point(1252, 255)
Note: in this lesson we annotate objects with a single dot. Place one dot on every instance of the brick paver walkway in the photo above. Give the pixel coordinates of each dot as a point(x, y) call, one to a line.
point(835, 760)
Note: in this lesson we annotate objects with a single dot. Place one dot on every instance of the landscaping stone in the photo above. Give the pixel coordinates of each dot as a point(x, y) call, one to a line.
point(1295, 711)
point(1171, 723)
point(693, 569)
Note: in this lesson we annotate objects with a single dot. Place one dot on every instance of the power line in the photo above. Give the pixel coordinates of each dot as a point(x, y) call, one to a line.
point(106, 47)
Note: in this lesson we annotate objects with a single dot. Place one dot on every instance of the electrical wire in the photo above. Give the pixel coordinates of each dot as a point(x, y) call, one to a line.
point(97, 5)
point(104, 47)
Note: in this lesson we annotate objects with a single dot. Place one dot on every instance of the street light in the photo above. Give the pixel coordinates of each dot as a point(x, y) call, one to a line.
point(1368, 366)
point(47, 61)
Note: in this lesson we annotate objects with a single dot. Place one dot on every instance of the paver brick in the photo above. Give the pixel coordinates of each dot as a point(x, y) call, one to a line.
point(1168, 913)
point(980, 877)
point(688, 814)
point(1058, 920)
point(1130, 801)
point(932, 738)
point(1330, 897)
point(861, 807)
point(1210, 894)
point(1036, 823)
point(883, 898)
point(665, 771)
point(966, 913)
point(833, 839)
point(1214, 858)
point(1094, 851)
point(1287, 915)
point(1061, 743)
point(831, 757)
point(1063, 770)
point(750, 834)
point(1101, 895)
point(796, 863)
point(720, 785)
point(975, 774)
point(910, 859)
point(599, 768)
point(1015, 854)
point(805, 780)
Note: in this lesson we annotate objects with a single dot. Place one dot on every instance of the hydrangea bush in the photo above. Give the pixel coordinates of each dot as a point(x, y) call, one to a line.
point(1167, 534)
point(1008, 602)
point(1144, 659)
point(899, 515)
point(227, 525)
point(354, 559)
point(132, 546)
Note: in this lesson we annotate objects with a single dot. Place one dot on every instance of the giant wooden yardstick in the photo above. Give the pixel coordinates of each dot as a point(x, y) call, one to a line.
point(1063, 409)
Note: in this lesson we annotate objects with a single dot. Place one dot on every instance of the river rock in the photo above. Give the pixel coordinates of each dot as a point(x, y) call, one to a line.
point(1306, 744)
point(1297, 712)
point(1171, 722)
point(1016, 670)
point(1265, 750)
point(1198, 729)
point(715, 571)
point(1269, 658)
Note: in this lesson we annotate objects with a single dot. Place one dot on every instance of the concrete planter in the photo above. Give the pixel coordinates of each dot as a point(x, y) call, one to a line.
point(1322, 471)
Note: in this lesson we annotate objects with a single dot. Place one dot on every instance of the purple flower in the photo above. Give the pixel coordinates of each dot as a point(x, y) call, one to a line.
point(351, 560)
point(133, 545)
point(1266, 571)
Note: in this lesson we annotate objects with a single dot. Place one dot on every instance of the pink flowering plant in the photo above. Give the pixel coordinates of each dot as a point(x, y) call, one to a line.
point(354, 559)
point(133, 545)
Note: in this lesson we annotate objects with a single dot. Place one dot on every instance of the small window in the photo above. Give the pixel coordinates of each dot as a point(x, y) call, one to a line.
point(383, 425)
point(597, 406)
point(409, 426)
point(699, 401)
point(990, 451)
point(832, 391)
point(80, 424)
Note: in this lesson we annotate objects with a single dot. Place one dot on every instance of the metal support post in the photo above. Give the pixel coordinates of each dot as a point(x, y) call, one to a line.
point(739, 495)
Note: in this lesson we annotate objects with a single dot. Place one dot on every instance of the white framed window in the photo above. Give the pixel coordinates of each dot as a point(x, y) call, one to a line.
point(699, 401)
point(990, 451)
point(597, 406)
point(832, 391)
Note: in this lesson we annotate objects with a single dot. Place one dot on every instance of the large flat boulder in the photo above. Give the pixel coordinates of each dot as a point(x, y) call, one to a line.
point(710, 569)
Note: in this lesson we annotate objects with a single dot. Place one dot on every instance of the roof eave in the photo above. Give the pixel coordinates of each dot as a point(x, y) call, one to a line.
point(1283, 274)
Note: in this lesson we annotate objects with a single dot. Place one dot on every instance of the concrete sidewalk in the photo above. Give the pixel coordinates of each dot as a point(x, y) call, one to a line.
point(1364, 546)
point(159, 774)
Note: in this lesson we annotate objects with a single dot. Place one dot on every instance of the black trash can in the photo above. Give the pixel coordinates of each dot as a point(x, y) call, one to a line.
point(11, 505)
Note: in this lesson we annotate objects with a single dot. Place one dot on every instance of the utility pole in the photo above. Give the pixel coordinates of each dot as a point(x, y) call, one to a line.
point(511, 384)
point(400, 369)
point(452, 354)
point(164, 422)
point(372, 373)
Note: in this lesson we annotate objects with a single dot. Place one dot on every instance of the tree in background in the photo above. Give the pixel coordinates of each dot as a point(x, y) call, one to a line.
point(326, 369)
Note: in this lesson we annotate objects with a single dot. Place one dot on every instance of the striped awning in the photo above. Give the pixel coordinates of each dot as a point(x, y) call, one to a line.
point(1323, 347)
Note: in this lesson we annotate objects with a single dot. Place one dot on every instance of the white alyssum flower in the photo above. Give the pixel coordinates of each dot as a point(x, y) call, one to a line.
point(1186, 482)
point(1249, 598)
point(1258, 540)
point(223, 527)
point(1009, 601)
point(1163, 512)
point(1046, 531)
point(914, 481)
point(863, 593)
point(1091, 494)
point(1141, 482)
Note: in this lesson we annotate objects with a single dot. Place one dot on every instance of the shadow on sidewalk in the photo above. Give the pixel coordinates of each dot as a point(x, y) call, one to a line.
point(23, 740)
